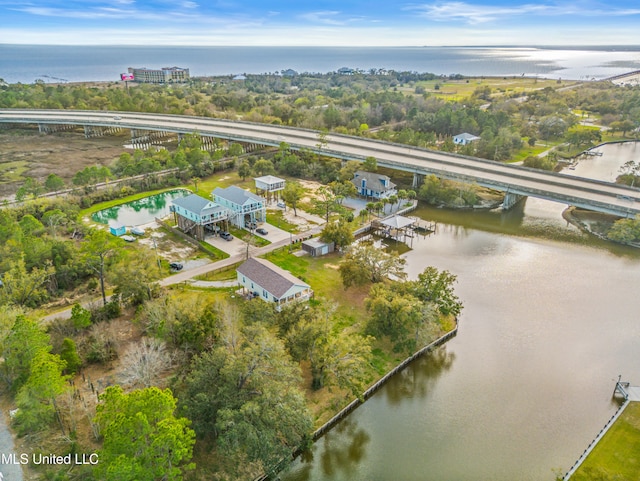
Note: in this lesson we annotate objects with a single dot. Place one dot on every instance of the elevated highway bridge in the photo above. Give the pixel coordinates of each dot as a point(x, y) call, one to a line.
point(514, 180)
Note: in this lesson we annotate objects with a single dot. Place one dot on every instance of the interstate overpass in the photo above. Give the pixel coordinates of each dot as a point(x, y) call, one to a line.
point(515, 181)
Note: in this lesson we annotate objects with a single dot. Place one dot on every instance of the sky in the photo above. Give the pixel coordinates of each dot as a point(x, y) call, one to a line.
point(321, 22)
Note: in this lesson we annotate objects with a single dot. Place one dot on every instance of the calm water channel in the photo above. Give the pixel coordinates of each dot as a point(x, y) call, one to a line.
point(550, 320)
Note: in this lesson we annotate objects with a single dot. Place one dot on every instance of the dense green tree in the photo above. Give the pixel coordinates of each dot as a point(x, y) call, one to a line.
point(370, 164)
point(31, 187)
point(244, 169)
point(263, 167)
point(337, 232)
point(135, 276)
point(348, 170)
point(543, 163)
point(625, 231)
point(23, 287)
point(365, 263)
point(397, 315)
point(36, 399)
point(25, 339)
point(190, 325)
point(53, 183)
point(80, 317)
point(243, 394)
point(69, 354)
point(143, 440)
point(30, 225)
point(436, 286)
point(292, 193)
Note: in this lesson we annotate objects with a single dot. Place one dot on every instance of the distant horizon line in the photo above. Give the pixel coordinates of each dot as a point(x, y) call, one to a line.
point(532, 46)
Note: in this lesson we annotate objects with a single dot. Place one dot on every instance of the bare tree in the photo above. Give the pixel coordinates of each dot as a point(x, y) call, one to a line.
point(145, 362)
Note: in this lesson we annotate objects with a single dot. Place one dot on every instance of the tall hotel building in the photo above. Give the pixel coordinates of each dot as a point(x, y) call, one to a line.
point(161, 76)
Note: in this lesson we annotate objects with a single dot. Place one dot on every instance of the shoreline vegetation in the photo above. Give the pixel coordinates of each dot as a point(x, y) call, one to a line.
point(192, 346)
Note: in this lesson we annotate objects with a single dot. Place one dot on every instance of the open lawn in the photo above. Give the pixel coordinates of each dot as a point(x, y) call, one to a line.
point(617, 455)
point(322, 275)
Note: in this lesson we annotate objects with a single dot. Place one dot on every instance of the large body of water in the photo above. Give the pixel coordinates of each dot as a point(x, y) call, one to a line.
point(26, 63)
point(550, 321)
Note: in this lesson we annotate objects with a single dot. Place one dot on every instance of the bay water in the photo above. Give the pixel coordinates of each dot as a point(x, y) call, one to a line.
point(55, 63)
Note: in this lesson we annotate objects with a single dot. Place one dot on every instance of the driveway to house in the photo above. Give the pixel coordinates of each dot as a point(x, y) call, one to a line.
point(186, 275)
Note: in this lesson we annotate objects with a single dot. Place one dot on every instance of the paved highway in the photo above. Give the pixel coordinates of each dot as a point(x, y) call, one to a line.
point(586, 193)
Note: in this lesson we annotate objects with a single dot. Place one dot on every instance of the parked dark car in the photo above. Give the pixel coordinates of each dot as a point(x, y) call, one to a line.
point(226, 236)
point(262, 231)
point(176, 266)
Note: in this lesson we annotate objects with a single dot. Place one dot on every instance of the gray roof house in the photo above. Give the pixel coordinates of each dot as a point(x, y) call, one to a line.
point(371, 184)
point(464, 138)
point(271, 283)
point(193, 213)
point(244, 206)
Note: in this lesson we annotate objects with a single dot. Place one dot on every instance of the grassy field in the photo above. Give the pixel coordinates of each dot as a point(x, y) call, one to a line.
point(456, 90)
point(322, 275)
point(13, 171)
point(617, 455)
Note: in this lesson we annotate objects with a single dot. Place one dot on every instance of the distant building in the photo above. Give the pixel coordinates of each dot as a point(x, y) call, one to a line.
point(289, 73)
point(465, 138)
point(346, 71)
point(160, 76)
point(317, 248)
point(244, 206)
point(371, 184)
point(240, 78)
point(195, 214)
point(271, 283)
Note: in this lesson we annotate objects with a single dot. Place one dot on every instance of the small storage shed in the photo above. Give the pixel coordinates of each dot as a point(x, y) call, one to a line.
point(117, 229)
point(317, 248)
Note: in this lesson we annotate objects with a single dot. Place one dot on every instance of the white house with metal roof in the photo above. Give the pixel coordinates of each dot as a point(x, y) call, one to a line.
point(271, 283)
point(465, 138)
point(244, 206)
point(194, 214)
point(371, 184)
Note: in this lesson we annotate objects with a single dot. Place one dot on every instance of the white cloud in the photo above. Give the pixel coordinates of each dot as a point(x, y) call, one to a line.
point(477, 14)
point(326, 17)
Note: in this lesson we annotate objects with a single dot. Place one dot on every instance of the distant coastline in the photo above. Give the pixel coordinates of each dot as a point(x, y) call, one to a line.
point(50, 63)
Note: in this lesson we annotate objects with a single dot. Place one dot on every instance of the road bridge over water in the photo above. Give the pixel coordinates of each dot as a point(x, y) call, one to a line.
point(514, 180)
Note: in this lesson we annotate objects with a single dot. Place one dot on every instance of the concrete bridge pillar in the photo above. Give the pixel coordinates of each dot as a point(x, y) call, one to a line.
point(418, 179)
point(511, 199)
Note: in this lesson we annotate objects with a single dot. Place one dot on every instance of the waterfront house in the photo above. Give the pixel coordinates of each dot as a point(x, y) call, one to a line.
point(263, 279)
point(244, 207)
point(371, 184)
point(465, 138)
point(195, 215)
point(269, 185)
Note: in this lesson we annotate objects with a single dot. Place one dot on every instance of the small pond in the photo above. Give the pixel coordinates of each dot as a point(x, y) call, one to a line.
point(141, 211)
